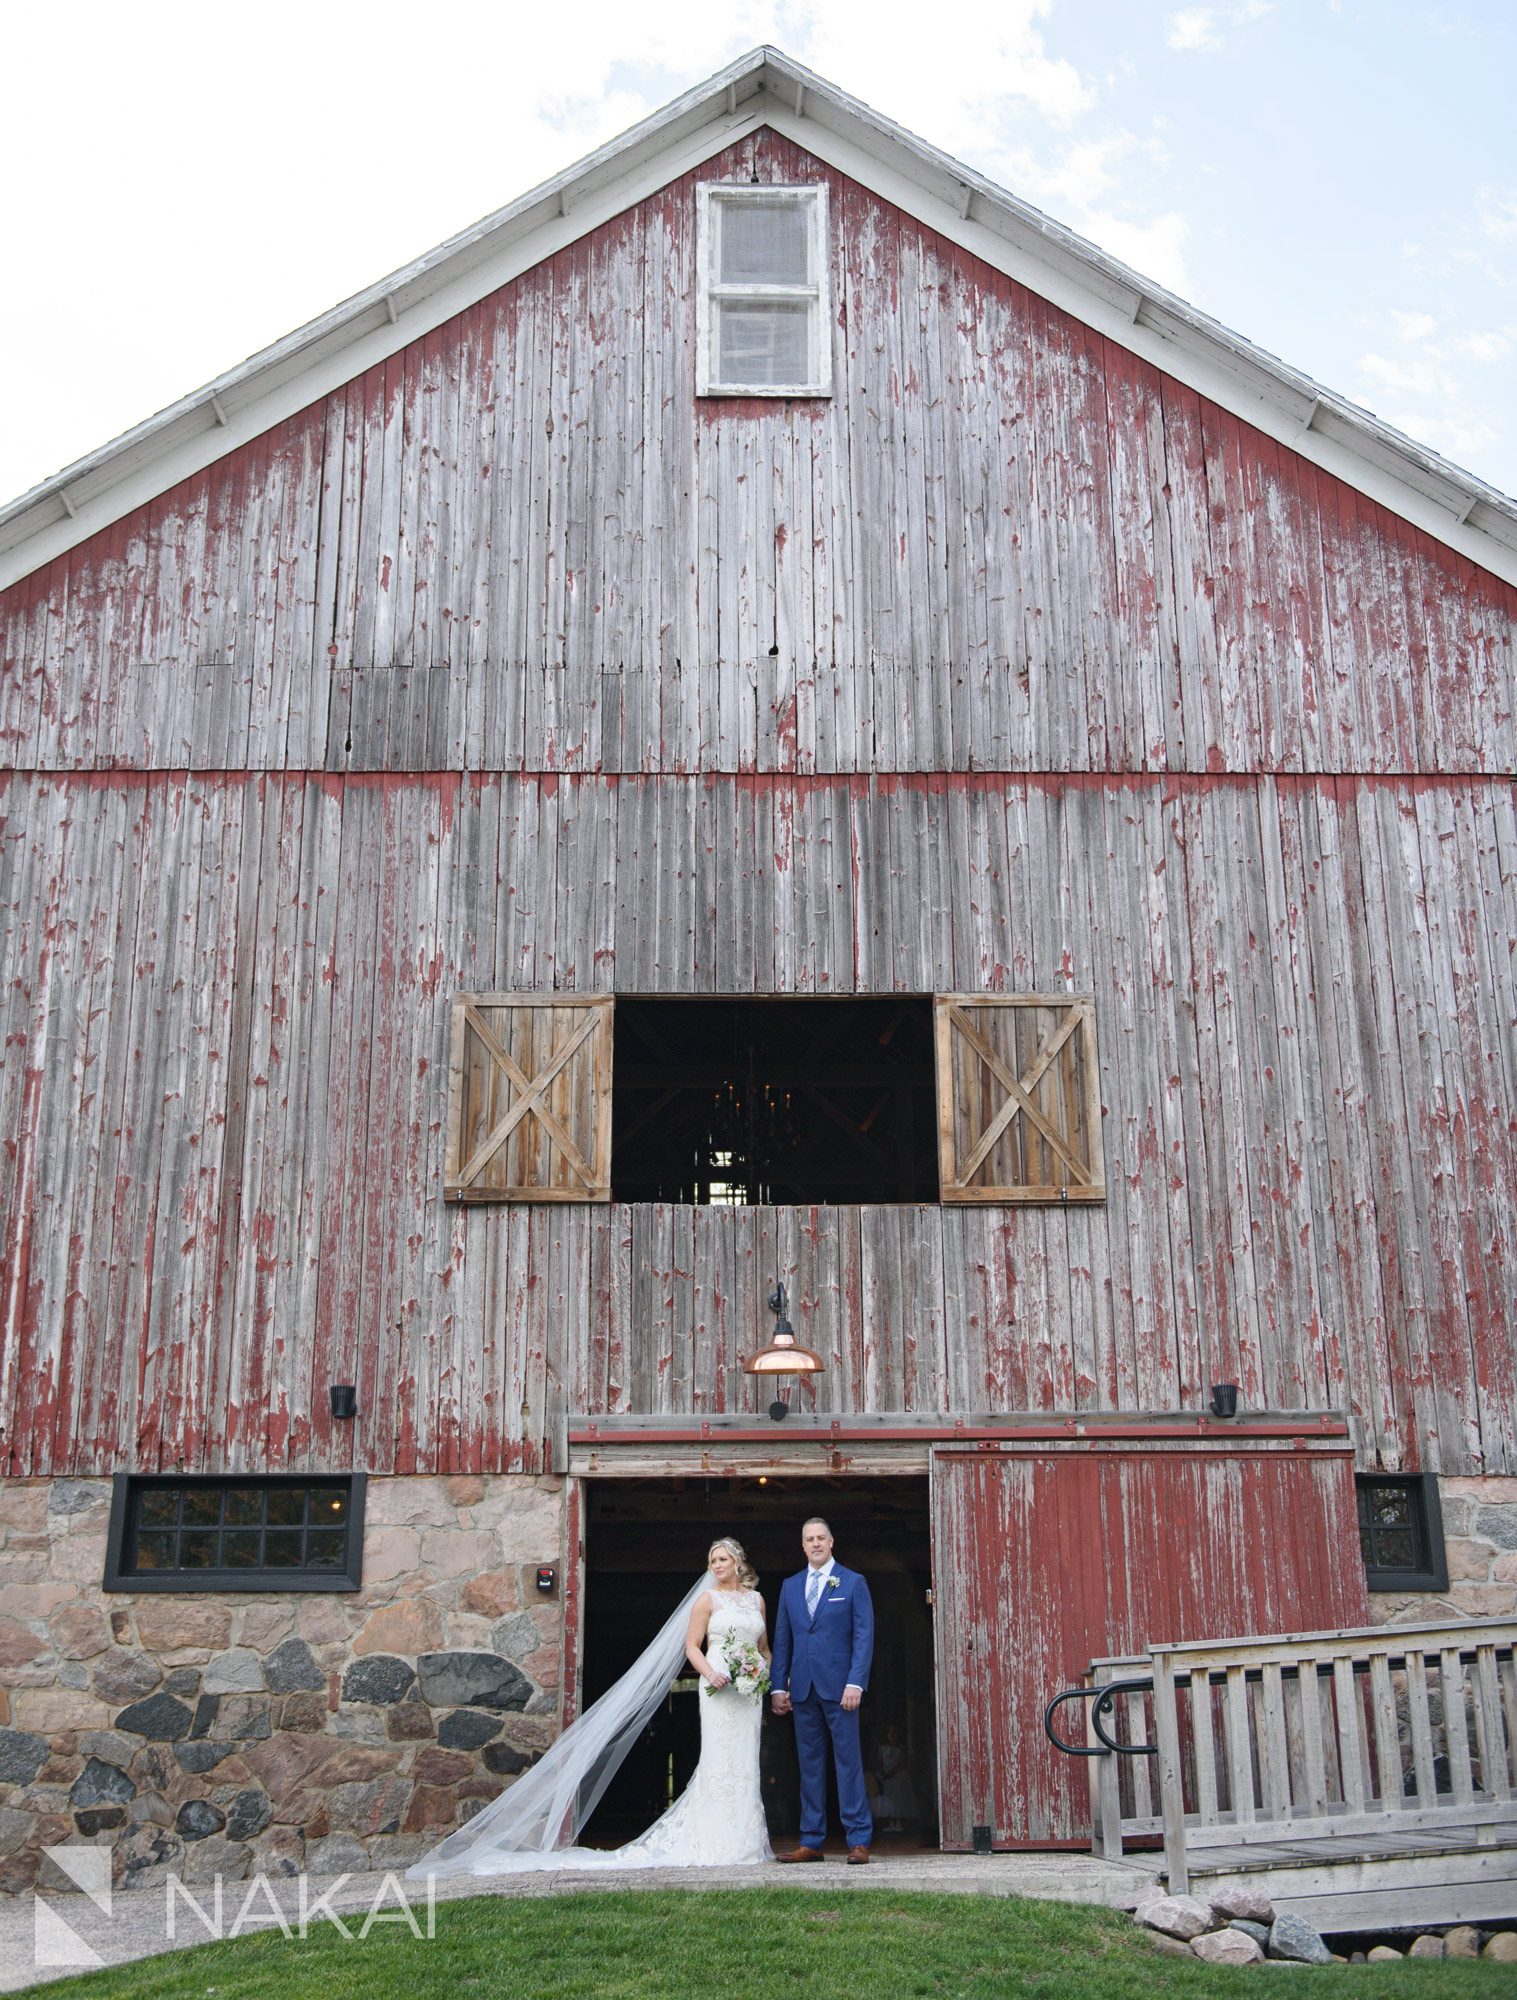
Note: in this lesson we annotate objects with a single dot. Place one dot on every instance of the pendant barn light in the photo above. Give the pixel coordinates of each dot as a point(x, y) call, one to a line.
point(784, 1355)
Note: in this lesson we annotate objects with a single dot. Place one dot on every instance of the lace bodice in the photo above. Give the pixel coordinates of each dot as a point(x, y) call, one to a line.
point(735, 1614)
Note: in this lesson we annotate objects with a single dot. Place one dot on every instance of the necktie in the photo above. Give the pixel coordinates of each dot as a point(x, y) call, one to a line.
point(813, 1592)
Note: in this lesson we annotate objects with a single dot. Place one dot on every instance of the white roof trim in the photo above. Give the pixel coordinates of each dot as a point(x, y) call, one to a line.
point(764, 87)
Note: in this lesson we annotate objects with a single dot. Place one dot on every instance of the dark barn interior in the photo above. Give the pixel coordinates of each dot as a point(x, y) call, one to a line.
point(646, 1542)
point(758, 1102)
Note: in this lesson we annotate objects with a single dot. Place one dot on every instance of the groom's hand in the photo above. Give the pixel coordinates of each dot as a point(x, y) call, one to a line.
point(780, 1702)
point(852, 1696)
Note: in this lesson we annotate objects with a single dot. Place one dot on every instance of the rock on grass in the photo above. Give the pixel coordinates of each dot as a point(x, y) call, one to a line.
point(1294, 1938)
point(1177, 1916)
point(1229, 1947)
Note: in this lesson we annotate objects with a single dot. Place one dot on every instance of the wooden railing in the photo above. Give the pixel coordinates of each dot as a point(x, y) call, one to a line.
point(1389, 1741)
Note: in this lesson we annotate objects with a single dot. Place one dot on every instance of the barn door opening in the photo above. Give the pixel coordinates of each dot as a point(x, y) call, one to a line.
point(645, 1541)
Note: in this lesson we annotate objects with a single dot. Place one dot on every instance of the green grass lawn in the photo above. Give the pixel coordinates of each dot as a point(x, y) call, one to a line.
point(740, 1945)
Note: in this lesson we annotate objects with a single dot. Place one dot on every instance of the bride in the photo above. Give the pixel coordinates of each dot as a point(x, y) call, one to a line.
point(721, 1629)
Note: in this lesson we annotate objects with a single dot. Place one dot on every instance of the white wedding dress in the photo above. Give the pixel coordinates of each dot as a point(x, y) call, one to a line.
point(716, 1822)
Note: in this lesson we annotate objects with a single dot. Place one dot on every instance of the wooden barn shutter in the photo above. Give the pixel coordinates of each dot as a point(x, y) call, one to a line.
point(529, 1112)
point(1019, 1108)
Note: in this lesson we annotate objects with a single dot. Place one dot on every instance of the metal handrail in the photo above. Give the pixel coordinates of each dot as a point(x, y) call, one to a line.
point(1103, 1697)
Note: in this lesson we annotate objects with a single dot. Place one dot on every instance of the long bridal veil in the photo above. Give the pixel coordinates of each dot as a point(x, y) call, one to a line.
point(536, 1819)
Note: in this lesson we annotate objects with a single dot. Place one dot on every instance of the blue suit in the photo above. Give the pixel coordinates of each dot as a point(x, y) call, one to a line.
point(815, 1658)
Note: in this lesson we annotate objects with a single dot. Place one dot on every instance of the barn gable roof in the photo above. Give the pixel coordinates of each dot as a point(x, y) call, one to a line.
point(762, 88)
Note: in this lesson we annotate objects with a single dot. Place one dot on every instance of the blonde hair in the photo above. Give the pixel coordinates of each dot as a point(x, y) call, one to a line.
point(747, 1575)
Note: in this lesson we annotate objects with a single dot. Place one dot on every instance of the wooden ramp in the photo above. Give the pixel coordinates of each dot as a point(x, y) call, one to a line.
point(1362, 1778)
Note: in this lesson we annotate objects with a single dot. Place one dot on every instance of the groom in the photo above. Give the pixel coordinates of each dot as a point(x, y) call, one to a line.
point(823, 1644)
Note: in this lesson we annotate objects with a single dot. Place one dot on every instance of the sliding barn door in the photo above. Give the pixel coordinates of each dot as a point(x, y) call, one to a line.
point(1045, 1558)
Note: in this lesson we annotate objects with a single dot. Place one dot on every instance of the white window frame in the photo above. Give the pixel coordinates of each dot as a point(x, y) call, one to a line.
point(711, 198)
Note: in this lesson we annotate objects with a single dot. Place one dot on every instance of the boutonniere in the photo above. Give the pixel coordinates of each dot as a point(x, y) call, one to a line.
point(832, 1583)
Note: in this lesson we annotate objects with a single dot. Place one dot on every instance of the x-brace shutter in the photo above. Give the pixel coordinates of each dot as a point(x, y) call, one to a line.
point(529, 1115)
point(1019, 1112)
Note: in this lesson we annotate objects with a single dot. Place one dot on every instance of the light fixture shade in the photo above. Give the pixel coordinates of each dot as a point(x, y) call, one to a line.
point(784, 1356)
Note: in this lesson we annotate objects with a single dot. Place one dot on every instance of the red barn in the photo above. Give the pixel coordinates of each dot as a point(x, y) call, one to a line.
point(764, 716)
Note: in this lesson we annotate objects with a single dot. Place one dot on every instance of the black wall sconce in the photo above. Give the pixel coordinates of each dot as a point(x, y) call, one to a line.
point(545, 1579)
point(344, 1401)
point(1224, 1399)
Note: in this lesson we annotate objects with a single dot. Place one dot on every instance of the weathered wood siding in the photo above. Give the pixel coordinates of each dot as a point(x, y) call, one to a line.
point(522, 544)
point(224, 1105)
point(1125, 1541)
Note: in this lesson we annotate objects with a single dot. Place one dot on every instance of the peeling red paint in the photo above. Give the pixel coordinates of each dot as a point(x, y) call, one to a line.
point(1214, 686)
point(1043, 1562)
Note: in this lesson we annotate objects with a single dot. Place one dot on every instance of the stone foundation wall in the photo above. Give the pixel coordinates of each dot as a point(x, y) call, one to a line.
point(1480, 1536)
point(232, 1733)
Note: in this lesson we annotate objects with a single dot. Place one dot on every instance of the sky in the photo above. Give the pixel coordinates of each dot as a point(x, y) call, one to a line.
point(1334, 179)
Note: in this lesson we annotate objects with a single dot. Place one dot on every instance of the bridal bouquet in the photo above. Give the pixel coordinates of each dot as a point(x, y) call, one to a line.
point(745, 1665)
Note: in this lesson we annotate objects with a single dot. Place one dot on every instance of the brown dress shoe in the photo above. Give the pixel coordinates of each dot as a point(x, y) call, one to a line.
point(804, 1854)
point(857, 1856)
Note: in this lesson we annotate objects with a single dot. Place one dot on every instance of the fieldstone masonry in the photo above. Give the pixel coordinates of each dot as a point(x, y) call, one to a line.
point(227, 1734)
point(231, 1733)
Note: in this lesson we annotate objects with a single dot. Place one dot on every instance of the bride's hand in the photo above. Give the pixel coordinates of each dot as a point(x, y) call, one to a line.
point(718, 1679)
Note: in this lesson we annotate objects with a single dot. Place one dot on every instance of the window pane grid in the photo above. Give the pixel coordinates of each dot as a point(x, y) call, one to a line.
point(239, 1525)
point(1397, 1535)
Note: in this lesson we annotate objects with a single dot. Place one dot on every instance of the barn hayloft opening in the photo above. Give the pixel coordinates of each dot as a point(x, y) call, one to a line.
point(748, 1101)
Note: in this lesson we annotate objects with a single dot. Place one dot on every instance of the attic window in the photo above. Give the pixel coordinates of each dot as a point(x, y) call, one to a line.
point(762, 264)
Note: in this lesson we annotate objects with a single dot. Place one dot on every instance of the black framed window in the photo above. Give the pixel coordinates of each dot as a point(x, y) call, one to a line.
point(285, 1531)
point(1401, 1531)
